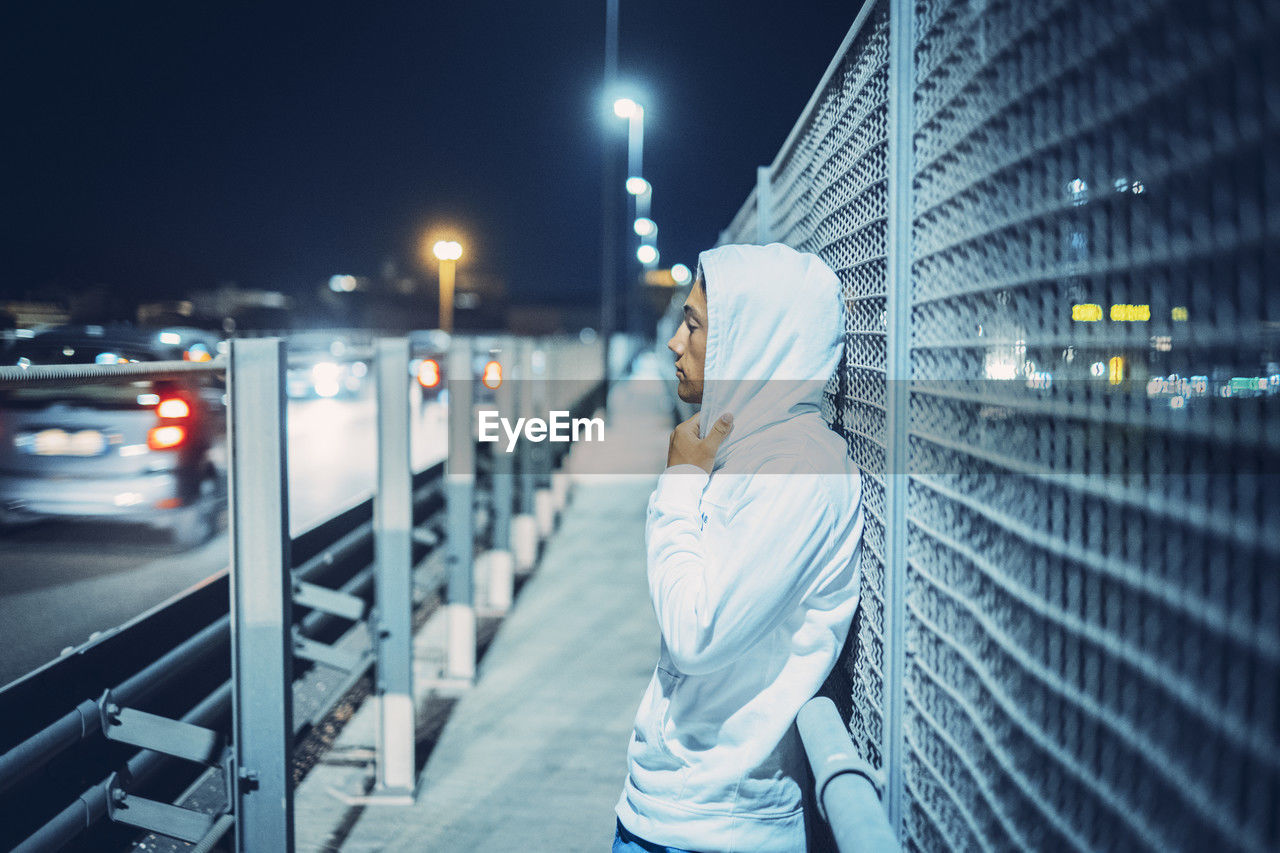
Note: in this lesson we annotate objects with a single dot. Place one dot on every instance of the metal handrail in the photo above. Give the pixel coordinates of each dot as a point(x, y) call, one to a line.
point(847, 787)
point(100, 374)
point(85, 721)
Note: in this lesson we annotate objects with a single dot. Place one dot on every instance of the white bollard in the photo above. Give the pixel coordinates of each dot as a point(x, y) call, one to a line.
point(460, 660)
point(502, 566)
point(524, 541)
point(544, 511)
point(560, 490)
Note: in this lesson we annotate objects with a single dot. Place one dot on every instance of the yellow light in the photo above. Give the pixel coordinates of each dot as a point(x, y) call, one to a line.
point(492, 376)
point(1087, 312)
point(429, 373)
point(1123, 313)
point(1180, 313)
point(1115, 370)
point(447, 250)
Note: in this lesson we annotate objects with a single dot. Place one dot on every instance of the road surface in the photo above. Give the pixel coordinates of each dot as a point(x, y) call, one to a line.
point(60, 581)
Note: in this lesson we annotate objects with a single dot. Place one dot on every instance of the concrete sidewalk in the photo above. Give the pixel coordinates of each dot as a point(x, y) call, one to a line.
point(534, 756)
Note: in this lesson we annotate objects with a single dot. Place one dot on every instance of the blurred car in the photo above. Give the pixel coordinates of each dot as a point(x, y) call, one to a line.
point(148, 451)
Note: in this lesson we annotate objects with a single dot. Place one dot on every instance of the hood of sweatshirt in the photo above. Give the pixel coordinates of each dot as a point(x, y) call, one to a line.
point(775, 334)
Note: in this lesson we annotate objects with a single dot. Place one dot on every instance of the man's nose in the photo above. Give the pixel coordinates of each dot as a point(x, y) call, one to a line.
point(674, 346)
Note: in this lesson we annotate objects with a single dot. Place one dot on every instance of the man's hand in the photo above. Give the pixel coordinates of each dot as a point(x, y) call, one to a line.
point(687, 449)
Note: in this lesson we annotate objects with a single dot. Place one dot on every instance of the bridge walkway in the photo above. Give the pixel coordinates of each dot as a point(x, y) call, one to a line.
point(533, 757)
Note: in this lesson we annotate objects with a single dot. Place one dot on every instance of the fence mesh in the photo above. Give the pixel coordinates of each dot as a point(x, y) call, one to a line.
point(1092, 573)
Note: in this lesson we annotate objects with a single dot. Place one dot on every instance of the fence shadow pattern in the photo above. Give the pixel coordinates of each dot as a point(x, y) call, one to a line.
point(1084, 323)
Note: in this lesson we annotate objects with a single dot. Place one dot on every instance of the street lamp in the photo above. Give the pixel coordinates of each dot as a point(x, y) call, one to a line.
point(637, 186)
point(448, 252)
point(634, 114)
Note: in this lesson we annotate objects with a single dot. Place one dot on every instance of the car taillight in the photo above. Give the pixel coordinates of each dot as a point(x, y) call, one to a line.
point(492, 376)
point(166, 437)
point(174, 407)
point(429, 373)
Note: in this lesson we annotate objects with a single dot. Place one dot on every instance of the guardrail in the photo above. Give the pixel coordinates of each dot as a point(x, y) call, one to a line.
point(847, 787)
point(234, 689)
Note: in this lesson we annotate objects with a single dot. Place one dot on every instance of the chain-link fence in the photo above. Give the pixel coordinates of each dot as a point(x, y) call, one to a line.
point(1056, 225)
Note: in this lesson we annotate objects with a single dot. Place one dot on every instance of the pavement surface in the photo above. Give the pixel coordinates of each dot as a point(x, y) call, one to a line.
point(533, 756)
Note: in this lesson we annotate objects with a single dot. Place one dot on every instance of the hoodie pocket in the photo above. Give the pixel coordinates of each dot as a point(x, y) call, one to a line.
point(656, 721)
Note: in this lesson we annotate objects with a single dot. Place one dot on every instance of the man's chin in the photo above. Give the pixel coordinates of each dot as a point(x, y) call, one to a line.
point(689, 394)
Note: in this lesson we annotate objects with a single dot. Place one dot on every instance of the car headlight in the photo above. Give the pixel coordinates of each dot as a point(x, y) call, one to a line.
point(326, 377)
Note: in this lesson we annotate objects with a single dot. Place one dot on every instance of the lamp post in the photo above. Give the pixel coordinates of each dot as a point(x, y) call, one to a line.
point(639, 189)
point(608, 192)
point(448, 252)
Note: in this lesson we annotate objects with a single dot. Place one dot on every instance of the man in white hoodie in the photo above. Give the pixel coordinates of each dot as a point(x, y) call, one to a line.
point(753, 536)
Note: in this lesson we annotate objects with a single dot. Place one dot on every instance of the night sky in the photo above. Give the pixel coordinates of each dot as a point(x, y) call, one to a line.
point(161, 147)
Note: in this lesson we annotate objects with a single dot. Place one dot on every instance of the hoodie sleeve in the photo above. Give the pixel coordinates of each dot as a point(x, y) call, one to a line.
point(716, 591)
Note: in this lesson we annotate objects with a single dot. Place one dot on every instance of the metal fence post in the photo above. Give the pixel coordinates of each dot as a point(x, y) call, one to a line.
point(543, 504)
point(500, 559)
point(459, 493)
point(764, 206)
point(524, 528)
point(261, 597)
point(393, 562)
point(558, 399)
point(897, 376)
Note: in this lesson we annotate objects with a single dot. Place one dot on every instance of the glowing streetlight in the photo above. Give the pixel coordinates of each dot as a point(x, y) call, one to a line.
point(639, 189)
point(681, 274)
point(448, 252)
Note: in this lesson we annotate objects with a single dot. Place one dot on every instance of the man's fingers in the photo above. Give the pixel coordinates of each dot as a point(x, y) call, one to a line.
point(723, 426)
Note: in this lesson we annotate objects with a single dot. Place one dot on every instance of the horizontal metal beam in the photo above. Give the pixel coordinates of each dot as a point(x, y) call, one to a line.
point(101, 374)
point(85, 721)
point(328, 600)
point(91, 806)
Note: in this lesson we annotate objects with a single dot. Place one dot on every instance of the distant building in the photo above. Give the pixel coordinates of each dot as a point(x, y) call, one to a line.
point(551, 319)
point(28, 314)
point(242, 308)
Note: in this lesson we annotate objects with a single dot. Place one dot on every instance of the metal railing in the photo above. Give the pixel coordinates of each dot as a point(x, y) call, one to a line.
point(1060, 383)
point(220, 697)
point(846, 786)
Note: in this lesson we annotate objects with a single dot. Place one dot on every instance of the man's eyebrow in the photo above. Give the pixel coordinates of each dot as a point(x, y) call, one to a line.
point(689, 309)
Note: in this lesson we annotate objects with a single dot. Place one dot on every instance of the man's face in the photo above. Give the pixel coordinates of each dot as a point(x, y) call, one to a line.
point(689, 343)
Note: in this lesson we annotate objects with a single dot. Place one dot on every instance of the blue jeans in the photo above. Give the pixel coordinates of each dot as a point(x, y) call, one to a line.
point(625, 842)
